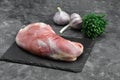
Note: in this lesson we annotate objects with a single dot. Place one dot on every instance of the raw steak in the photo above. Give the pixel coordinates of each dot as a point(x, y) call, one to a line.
point(41, 40)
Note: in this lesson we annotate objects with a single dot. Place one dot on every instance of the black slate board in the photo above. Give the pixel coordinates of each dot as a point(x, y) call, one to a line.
point(17, 55)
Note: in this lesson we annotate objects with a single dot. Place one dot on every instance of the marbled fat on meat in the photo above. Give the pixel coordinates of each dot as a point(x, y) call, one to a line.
point(41, 40)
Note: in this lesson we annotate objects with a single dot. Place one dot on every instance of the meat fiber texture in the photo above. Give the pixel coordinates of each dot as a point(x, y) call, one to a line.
point(40, 39)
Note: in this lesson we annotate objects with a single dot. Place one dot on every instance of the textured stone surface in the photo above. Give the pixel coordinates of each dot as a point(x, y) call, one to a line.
point(104, 62)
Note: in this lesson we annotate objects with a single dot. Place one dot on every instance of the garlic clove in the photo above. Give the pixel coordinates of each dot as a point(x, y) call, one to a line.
point(61, 17)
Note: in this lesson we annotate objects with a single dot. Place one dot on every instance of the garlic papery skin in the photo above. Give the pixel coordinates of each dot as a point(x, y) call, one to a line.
point(76, 23)
point(64, 28)
point(61, 17)
point(75, 15)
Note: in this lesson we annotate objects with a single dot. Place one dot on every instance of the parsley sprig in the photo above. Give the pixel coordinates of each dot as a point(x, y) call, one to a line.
point(93, 25)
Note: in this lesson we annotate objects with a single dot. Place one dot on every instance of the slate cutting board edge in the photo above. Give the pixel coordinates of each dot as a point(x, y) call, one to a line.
point(34, 64)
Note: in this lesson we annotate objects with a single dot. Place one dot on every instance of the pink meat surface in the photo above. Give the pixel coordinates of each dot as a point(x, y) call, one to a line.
point(41, 40)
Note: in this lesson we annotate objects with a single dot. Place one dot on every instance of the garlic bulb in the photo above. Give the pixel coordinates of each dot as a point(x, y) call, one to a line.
point(61, 17)
point(75, 22)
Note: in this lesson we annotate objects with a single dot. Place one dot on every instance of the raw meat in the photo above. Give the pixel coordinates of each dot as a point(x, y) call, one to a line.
point(41, 40)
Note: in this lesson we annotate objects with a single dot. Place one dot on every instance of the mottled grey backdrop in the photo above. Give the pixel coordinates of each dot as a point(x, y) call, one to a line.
point(104, 61)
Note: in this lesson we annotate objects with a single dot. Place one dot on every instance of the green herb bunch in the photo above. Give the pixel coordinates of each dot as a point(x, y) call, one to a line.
point(93, 25)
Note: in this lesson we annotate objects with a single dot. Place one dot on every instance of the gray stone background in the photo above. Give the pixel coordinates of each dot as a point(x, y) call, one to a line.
point(104, 61)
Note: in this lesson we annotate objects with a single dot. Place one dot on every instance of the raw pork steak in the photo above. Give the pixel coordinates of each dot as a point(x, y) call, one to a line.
point(41, 40)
